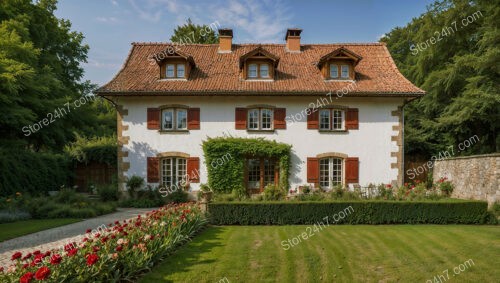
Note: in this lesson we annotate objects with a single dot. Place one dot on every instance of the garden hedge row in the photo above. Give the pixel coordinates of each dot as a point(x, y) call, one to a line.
point(26, 171)
point(362, 212)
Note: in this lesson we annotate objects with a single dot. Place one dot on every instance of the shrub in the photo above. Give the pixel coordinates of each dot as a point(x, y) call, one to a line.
point(108, 192)
point(134, 184)
point(177, 196)
point(12, 216)
point(445, 186)
point(272, 192)
point(365, 212)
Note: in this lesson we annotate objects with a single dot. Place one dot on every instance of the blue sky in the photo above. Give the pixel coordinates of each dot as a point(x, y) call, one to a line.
point(109, 26)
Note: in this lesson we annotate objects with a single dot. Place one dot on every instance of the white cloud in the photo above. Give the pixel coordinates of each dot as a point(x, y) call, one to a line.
point(261, 20)
point(114, 2)
point(100, 65)
point(107, 19)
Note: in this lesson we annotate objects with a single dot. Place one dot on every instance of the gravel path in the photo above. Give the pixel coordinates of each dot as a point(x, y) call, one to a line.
point(55, 237)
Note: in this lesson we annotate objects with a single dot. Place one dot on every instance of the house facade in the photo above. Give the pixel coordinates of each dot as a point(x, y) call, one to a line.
point(340, 106)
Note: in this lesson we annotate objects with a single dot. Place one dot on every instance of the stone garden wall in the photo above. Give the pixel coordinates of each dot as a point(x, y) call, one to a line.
point(475, 177)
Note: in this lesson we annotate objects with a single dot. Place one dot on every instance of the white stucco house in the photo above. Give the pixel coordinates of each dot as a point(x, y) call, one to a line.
point(339, 106)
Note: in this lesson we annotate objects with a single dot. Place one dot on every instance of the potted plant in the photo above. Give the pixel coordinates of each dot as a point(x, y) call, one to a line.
point(205, 193)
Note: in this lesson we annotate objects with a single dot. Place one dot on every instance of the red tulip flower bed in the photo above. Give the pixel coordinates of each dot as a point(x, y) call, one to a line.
point(121, 252)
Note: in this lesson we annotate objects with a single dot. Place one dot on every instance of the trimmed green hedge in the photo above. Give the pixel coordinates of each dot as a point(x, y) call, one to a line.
point(362, 212)
point(35, 173)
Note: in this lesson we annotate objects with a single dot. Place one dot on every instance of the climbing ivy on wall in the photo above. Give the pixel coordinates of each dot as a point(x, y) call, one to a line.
point(225, 161)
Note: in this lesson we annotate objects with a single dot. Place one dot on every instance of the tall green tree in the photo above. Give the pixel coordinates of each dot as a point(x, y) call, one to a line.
point(192, 33)
point(459, 69)
point(40, 77)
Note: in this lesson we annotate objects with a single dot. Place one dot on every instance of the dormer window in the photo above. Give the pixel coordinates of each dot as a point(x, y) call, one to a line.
point(258, 64)
point(339, 64)
point(175, 65)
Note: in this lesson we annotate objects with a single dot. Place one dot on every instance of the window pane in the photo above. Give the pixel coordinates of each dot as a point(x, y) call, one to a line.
point(254, 173)
point(252, 70)
point(166, 172)
point(180, 70)
point(345, 71)
point(253, 119)
point(334, 71)
point(267, 118)
point(336, 171)
point(268, 171)
point(324, 173)
point(324, 119)
point(181, 119)
point(168, 119)
point(264, 71)
point(337, 119)
point(182, 179)
point(170, 70)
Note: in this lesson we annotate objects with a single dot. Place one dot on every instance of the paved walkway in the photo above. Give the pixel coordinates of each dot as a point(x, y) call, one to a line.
point(55, 237)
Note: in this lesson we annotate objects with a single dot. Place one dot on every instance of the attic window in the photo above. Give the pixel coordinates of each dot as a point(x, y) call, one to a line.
point(258, 70)
point(175, 71)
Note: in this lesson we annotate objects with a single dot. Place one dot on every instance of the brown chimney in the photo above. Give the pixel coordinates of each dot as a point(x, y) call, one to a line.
point(225, 40)
point(293, 39)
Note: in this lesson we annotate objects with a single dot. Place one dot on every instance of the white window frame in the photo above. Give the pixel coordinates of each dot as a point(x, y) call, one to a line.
point(250, 67)
point(342, 71)
point(330, 170)
point(172, 66)
point(177, 172)
point(332, 125)
point(261, 70)
point(179, 70)
point(336, 71)
point(260, 119)
point(175, 118)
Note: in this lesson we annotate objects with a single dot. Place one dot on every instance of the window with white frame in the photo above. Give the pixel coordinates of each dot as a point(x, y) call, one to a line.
point(173, 172)
point(174, 119)
point(331, 119)
point(330, 172)
point(334, 71)
point(252, 70)
point(344, 71)
point(260, 119)
point(175, 71)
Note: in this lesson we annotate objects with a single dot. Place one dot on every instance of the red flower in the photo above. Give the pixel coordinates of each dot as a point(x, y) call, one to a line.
point(38, 258)
point(55, 259)
point(88, 231)
point(47, 253)
point(26, 265)
point(104, 239)
point(119, 248)
point(95, 249)
point(388, 186)
point(26, 278)
point(72, 252)
point(27, 256)
point(92, 259)
point(42, 273)
point(16, 255)
point(37, 252)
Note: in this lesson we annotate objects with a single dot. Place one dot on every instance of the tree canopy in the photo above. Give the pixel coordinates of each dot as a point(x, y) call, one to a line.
point(40, 79)
point(193, 33)
point(452, 52)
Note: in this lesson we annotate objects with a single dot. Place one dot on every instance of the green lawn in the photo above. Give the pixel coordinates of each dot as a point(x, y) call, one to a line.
point(20, 228)
point(343, 253)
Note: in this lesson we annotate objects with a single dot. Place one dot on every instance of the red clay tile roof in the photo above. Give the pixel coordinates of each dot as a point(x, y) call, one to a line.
point(297, 73)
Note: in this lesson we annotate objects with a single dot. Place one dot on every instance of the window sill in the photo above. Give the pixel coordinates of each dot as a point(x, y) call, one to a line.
point(333, 131)
point(339, 80)
point(172, 79)
point(260, 131)
point(259, 80)
point(173, 131)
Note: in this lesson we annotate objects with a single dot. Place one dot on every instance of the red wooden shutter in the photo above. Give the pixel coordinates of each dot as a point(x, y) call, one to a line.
point(312, 119)
point(279, 118)
point(193, 118)
point(153, 118)
point(313, 170)
point(153, 169)
point(193, 169)
point(352, 170)
point(351, 119)
point(241, 119)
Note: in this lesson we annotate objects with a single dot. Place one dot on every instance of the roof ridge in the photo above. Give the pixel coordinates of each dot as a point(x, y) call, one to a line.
point(256, 44)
